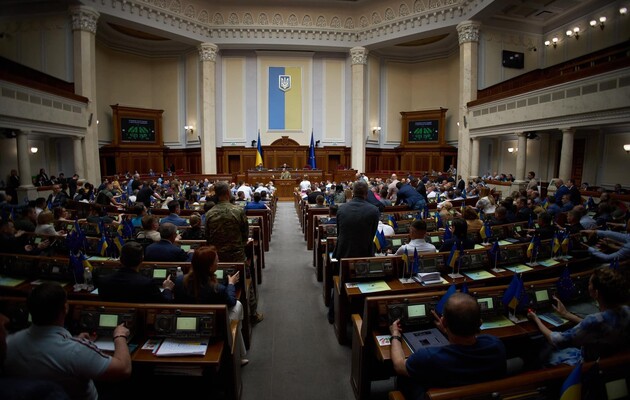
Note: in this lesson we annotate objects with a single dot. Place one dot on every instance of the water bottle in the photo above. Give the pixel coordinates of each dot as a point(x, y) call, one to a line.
point(87, 279)
point(179, 272)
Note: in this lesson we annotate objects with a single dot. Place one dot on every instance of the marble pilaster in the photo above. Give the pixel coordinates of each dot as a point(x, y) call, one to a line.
point(207, 57)
point(359, 60)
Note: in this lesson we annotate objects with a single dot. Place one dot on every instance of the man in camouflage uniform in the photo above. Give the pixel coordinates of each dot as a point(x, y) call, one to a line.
point(227, 229)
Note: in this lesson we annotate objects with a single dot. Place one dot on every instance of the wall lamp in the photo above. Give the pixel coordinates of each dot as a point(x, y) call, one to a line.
point(254, 143)
point(189, 129)
point(626, 147)
point(34, 149)
point(575, 32)
point(376, 130)
point(623, 11)
point(317, 143)
point(602, 23)
point(553, 42)
point(512, 149)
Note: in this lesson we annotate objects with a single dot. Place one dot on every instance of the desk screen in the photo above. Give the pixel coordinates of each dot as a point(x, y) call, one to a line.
point(159, 273)
point(434, 239)
point(417, 310)
point(376, 267)
point(107, 320)
point(486, 303)
point(542, 295)
point(396, 242)
point(185, 247)
point(186, 324)
point(219, 273)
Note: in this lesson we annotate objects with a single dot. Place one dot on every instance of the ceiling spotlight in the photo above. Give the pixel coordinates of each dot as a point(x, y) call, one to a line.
point(623, 11)
point(626, 147)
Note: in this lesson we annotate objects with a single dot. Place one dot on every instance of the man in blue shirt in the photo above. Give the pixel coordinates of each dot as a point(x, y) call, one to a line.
point(256, 204)
point(408, 194)
point(173, 217)
point(468, 358)
point(619, 242)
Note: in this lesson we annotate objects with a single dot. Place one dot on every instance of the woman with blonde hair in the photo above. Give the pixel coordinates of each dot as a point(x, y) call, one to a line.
point(486, 203)
point(45, 224)
point(200, 286)
point(472, 219)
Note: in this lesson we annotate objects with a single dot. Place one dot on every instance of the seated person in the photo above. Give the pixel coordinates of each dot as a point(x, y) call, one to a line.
point(200, 286)
point(417, 232)
point(460, 228)
point(546, 229)
point(45, 224)
point(174, 218)
point(617, 242)
point(332, 213)
point(319, 201)
point(46, 350)
point(468, 358)
point(499, 217)
point(16, 242)
point(599, 335)
point(27, 220)
point(138, 211)
point(165, 250)
point(573, 224)
point(149, 228)
point(195, 232)
point(256, 204)
point(128, 285)
point(473, 222)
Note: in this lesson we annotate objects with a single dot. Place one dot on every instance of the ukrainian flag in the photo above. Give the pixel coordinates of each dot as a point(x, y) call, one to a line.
point(285, 98)
point(102, 246)
point(572, 386)
point(391, 221)
point(259, 154)
point(405, 258)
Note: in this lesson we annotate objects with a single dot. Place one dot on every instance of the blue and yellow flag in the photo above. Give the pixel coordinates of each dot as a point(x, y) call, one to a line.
point(379, 241)
point(454, 256)
point(566, 244)
point(285, 98)
point(119, 242)
point(102, 246)
point(572, 386)
point(259, 152)
point(439, 307)
point(556, 243)
point(447, 233)
point(532, 249)
point(391, 221)
point(405, 258)
point(512, 294)
point(485, 231)
point(415, 267)
point(86, 263)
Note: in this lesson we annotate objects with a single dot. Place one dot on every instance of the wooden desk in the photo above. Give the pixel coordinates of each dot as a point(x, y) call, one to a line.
point(285, 188)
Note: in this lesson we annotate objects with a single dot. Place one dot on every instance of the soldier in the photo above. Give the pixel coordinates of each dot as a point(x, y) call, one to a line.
point(227, 229)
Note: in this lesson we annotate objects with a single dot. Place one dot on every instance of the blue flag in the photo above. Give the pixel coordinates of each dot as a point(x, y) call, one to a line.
point(447, 233)
point(565, 286)
point(311, 153)
point(495, 251)
point(438, 220)
point(572, 386)
point(391, 221)
point(439, 308)
point(464, 288)
point(415, 268)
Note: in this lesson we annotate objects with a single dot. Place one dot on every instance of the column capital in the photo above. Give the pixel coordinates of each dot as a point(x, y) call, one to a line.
point(568, 130)
point(359, 55)
point(84, 18)
point(518, 134)
point(208, 51)
point(468, 31)
point(23, 132)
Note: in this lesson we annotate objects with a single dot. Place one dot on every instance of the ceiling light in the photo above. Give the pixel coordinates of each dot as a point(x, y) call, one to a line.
point(34, 149)
point(623, 11)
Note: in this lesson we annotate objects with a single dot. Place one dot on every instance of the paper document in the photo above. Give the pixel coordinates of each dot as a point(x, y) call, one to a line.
point(548, 263)
point(383, 340)
point(370, 287)
point(178, 347)
point(478, 274)
point(497, 322)
point(518, 268)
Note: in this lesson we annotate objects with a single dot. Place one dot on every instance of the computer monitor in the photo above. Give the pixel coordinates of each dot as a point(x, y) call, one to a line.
point(543, 298)
point(186, 324)
point(396, 242)
point(107, 320)
point(435, 239)
point(159, 273)
point(488, 306)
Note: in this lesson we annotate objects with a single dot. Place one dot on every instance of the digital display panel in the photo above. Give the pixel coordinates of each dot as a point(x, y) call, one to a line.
point(434, 239)
point(185, 247)
point(542, 295)
point(218, 273)
point(186, 324)
point(423, 131)
point(376, 267)
point(107, 320)
point(486, 303)
point(396, 242)
point(417, 310)
point(137, 130)
point(159, 273)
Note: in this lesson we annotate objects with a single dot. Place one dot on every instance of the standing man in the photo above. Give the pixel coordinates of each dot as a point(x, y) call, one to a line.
point(533, 183)
point(12, 185)
point(357, 221)
point(227, 230)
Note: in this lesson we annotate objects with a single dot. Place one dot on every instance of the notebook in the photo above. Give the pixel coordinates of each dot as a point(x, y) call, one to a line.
point(424, 338)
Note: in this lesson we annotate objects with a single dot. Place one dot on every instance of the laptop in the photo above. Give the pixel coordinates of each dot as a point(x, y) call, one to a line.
point(431, 337)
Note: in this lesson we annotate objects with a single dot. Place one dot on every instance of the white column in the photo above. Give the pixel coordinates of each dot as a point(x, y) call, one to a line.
point(474, 159)
point(566, 154)
point(207, 57)
point(521, 156)
point(77, 147)
point(468, 35)
point(359, 59)
point(24, 162)
point(84, 20)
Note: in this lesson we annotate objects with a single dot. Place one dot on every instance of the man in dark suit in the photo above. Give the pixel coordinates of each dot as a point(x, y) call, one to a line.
point(357, 221)
point(165, 250)
point(127, 284)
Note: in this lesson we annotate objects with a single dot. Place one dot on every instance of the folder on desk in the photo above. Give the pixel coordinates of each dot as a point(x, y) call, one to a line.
point(179, 347)
point(424, 338)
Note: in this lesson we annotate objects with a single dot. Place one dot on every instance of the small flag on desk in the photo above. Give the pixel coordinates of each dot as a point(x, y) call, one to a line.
point(565, 286)
point(556, 243)
point(438, 220)
point(454, 256)
point(485, 230)
point(566, 244)
point(405, 258)
point(532, 249)
point(391, 221)
point(447, 233)
point(515, 295)
point(572, 386)
point(119, 242)
point(415, 267)
point(439, 308)
point(102, 246)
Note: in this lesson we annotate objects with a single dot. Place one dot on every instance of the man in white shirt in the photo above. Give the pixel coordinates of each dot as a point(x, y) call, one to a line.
point(246, 189)
point(416, 234)
point(305, 184)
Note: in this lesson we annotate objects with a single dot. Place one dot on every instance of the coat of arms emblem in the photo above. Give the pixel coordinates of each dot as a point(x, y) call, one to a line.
point(284, 82)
